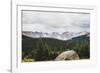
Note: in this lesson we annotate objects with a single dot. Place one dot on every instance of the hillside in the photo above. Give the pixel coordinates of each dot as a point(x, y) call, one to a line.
point(44, 49)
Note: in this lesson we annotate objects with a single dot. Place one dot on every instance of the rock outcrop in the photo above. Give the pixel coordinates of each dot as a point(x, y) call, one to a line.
point(67, 55)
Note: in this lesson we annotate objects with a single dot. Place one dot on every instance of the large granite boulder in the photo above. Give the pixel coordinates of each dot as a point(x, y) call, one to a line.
point(67, 55)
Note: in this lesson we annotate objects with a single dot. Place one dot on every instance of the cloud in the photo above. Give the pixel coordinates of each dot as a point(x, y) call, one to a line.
point(58, 22)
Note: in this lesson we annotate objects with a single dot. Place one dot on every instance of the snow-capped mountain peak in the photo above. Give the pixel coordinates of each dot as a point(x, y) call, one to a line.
point(61, 36)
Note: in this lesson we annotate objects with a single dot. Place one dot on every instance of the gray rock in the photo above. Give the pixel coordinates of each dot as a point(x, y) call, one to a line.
point(67, 55)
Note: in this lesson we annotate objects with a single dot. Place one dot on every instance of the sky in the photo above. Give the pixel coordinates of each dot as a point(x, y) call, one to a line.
point(55, 21)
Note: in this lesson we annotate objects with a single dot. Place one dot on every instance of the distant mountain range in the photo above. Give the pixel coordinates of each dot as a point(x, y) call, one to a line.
point(61, 36)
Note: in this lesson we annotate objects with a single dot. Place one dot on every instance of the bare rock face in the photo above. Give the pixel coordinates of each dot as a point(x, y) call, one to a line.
point(67, 55)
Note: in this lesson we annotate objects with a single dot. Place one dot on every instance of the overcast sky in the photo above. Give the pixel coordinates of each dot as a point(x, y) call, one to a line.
point(55, 22)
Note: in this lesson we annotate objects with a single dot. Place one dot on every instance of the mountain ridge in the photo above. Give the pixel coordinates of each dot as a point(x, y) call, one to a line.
point(61, 36)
